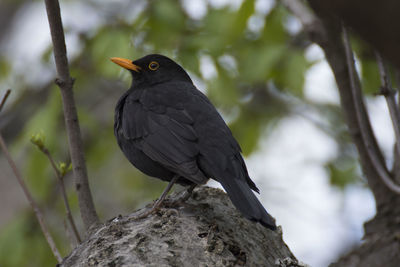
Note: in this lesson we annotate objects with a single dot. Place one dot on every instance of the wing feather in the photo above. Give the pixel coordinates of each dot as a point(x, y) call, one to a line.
point(166, 137)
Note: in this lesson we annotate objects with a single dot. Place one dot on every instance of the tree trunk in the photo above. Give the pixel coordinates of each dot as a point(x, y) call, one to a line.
point(205, 231)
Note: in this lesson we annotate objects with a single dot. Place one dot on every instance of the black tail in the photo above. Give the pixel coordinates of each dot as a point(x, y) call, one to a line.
point(246, 202)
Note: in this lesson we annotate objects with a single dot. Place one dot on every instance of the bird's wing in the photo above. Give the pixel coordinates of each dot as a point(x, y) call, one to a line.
point(164, 134)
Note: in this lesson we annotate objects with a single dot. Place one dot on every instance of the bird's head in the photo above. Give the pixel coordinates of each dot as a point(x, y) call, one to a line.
point(152, 69)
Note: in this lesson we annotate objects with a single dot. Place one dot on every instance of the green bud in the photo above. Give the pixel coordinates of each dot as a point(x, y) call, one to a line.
point(38, 139)
point(64, 168)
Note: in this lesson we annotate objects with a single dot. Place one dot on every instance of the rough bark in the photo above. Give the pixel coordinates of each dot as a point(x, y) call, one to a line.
point(204, 231)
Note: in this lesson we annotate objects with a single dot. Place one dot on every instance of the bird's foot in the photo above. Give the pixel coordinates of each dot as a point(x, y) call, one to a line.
point(157, 205)
point(181, 199)
point(160, 201)
point(167, 203)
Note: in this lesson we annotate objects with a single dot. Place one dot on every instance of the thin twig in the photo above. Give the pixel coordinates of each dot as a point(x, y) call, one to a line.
point(68, 233)
point(387, 91)
point(64, 193)
point(65, 82)
point(3, 101)
point(28, 195)
point(356, 91)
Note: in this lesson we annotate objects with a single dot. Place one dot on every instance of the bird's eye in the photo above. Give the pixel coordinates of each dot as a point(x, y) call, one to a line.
point(154, 65)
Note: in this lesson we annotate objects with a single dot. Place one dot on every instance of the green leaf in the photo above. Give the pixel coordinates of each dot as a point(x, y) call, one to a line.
point(247, 130)
point(256, 63)
point(370, 76)
point(5, 68)
point(274, 30)
point(223, 90)
point(110, 42)
point(290, 73)
point(164, 25)
point(341, 176)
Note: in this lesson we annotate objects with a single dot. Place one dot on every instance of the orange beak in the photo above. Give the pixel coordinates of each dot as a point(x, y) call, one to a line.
point(125, 63)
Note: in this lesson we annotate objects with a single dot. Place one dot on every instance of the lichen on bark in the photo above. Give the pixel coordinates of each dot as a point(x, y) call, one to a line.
point(206, 230)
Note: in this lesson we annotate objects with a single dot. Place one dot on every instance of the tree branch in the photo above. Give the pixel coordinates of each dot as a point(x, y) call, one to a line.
point(65, 82)
point(64, 194)
point(28, 195)
point(198, 233)
point(330, 39)
point(380, 247)
point(371, 150)
point(60, 177)
point(387, 91)
point(3, 101)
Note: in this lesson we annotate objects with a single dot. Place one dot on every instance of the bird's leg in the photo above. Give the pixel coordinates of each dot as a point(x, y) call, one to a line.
point(165, 193)
point(185, 196)
point(160, 200)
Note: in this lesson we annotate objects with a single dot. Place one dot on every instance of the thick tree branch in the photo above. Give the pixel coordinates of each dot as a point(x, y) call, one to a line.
point(65, 82)
point(356, 118)
point(28, 195)
point(368, 137)
point(381, 246)
point(330, 40)
point(206, 230)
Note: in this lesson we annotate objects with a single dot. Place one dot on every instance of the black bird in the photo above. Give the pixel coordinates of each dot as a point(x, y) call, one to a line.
point(170, 130)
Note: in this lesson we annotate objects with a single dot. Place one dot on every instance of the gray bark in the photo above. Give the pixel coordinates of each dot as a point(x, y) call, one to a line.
point(65, 82)
point(206, 230)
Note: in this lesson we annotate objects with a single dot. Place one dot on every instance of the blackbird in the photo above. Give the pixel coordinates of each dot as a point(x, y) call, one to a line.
point(168, 129)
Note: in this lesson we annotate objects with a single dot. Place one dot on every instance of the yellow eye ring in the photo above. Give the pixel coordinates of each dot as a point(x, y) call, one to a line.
point(154, 65)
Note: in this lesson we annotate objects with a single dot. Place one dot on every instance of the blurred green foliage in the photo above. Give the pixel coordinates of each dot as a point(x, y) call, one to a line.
point(250, 65)
point(23, 244)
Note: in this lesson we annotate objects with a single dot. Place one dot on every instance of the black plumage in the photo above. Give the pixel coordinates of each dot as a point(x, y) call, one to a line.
point(166, 127)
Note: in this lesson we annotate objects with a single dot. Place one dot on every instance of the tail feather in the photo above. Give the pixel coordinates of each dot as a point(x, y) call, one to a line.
point(246, 202)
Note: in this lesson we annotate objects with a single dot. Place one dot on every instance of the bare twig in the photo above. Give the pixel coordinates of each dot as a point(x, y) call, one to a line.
point(28, 195)
point(65, 82)
point(3, 101)
point(68, 233)
point(63, 192)
point(378, 164)
point(387, 91)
